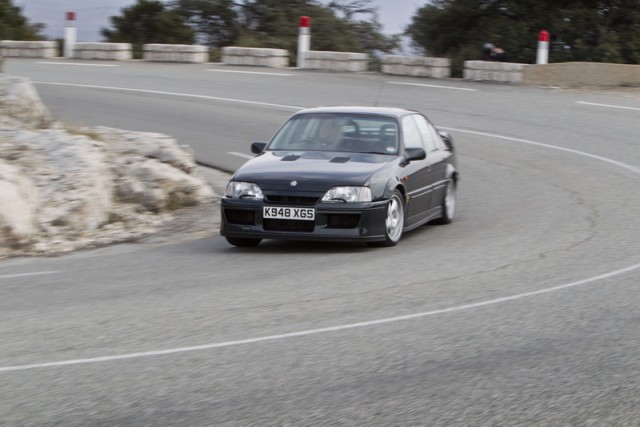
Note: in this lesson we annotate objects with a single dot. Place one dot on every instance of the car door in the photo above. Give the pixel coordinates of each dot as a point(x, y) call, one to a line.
point(436, 158)
point(417, 174)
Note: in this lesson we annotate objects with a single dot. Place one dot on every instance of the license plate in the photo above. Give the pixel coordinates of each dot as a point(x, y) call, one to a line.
point(276, 212)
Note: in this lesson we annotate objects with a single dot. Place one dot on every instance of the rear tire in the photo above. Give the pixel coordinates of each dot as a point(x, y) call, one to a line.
point(448, 204)
point(394, 221)
point(243, 243)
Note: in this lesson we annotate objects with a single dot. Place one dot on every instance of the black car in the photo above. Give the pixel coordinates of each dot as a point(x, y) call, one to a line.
point(363, 174)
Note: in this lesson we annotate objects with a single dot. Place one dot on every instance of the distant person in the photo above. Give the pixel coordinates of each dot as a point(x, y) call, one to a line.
point(493, 53)
point(487, 50)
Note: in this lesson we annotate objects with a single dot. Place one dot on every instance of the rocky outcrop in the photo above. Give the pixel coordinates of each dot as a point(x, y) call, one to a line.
point(62, 189)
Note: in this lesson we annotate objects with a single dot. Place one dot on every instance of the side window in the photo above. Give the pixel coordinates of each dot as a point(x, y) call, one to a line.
point(411, 133)
point(428, 133)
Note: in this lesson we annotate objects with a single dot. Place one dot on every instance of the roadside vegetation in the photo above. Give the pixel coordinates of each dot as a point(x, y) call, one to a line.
point(14, 26)
point(591, 30)
point(341, 25)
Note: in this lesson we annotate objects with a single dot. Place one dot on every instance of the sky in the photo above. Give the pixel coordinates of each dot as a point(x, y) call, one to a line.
point(93, 15)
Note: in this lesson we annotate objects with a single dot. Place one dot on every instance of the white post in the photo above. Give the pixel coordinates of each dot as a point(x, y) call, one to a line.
point(304, 39)
point(543, 47)
point(70, 34)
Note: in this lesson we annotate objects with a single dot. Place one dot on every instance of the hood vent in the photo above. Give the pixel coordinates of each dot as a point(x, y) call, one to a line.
point(290, 157)
point(340, 159)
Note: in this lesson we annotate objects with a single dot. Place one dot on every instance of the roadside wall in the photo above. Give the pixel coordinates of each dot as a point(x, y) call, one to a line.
point(273, 58)
point(418, 66)
point(489, 71)
point(336, 61)
point(176, 53)
point(109, 51)
point(28, 49)
point(567, 74)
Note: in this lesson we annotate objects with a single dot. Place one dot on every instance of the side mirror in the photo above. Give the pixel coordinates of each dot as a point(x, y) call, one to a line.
point(414, 154)
point(447, 139)
point(258, 147)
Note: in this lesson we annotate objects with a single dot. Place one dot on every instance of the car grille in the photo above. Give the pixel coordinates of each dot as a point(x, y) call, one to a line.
point(343, 220)
point(240, 217)
point(297, 200)
point(288, 225)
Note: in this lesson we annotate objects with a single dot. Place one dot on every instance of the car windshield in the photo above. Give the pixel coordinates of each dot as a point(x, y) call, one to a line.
point(343, 132)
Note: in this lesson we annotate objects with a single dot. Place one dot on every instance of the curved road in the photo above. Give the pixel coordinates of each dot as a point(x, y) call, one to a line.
point(524, 311)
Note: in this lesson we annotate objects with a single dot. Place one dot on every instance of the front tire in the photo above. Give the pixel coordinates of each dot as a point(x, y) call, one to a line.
point(394, 221)
point(243, 243)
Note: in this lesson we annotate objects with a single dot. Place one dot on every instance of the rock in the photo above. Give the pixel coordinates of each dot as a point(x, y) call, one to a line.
point(158, 186)
point(64, 189)
point(20, 103)
point(157, 146)
point(19, 201)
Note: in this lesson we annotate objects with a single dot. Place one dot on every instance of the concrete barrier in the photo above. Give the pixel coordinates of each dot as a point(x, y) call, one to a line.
point(274, 58)
point(175, 53)
point(417, 66)
point(489, 71)
point(29, 49)
point(336, 61)
point(110, 51)
point(575, 74)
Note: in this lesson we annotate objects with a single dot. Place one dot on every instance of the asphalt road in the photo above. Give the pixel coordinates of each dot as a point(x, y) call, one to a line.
point(524, 311)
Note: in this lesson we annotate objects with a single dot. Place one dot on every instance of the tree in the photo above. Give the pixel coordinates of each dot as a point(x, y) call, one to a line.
point(149, 21)
point(344, 25)
point(591, 30)
point(349, 9)
point(272, 23)
point(335, 27)
point(362, 18)
point(14, 26)
point(214, 21)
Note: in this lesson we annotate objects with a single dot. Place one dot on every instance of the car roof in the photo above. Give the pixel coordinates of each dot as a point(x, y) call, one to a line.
point(386, 111)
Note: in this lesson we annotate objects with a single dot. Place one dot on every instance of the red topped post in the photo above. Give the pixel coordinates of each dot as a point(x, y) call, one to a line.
point(69, 34)
point(304, 39)
point(543, 47)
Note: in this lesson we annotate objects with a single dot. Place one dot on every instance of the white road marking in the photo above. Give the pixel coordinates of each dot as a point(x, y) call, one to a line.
point(433, 86)
point(607, 105)
point(244, 156)
point(183, 95)
point(262, 73)
point(36, 273)
point(553, 147)
point(308, 332)
point(77, 64)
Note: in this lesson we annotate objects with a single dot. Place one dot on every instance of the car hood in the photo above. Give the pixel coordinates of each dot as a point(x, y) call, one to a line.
point(312, 170)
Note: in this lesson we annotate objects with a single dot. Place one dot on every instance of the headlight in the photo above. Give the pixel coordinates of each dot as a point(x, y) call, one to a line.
point(348, 194)
point(243, 190)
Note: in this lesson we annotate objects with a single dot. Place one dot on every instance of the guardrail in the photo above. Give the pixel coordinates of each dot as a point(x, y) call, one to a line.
point(175, 53)
point(336, 61)
point(28, 49)
point(417, 66)
point(500, 72)
point(274, 58)
point(110, 51)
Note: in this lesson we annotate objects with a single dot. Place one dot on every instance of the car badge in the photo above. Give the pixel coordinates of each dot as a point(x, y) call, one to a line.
point(293, 183)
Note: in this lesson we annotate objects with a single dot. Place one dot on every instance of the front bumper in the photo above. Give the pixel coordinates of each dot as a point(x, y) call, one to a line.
point(340, 222)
